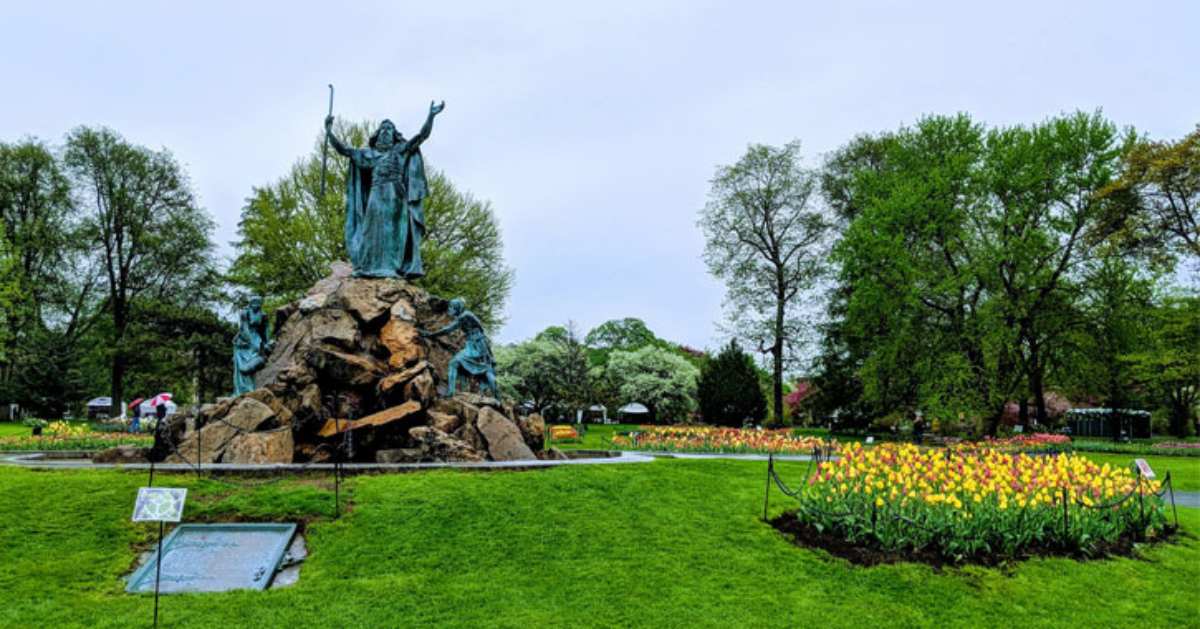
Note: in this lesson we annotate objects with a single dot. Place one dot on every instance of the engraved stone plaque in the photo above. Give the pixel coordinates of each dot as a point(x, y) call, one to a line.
point(216, 558)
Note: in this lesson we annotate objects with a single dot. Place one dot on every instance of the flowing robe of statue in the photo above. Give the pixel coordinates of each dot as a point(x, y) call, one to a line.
point(385, 192)
point(250, 347)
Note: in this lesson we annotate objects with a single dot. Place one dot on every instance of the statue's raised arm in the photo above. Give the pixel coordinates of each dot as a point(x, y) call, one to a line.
point(422, 135)
point(338, 145)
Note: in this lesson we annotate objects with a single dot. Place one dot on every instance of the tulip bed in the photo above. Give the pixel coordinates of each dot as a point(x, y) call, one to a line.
point(707, 439)
point(1036, 442)
point(982, 506)
point(60, 435)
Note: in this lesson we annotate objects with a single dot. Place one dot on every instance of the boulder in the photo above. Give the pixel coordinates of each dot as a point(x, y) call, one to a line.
point(261, 447)
point(503, 437)
point(346, 369)
point(386, 416)
point(533, 429)
point(393, 380)
point(207, 444)
point(403, 343)
point(399, 455)
point(445, 422)
point(456, 406)
point(121, 455)
point(367, 299)
point(421, 388)
point(436, 445)
point(475, 399)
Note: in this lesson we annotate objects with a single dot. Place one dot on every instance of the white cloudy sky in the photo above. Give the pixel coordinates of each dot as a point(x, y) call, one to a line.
point(592, 127)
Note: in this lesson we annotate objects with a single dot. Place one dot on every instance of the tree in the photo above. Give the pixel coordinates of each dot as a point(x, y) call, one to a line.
point(35, 208)
point(1156, 199)
point(660, 379)
point(1170, 364)
point(625, 334)
point(907, 320)
point(964, 260)
point(550, 371)
point(728, 392)
point(153, 240)
point(768, 244)
point(290, 235)
point(9, 293)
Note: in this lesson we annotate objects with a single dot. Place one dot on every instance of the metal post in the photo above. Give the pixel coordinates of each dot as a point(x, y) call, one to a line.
point(1171, 489)
point(158, 571)
point(199, 448)
point(767, 494)
point(1066, 522)
point(1141, 506)
point(337, 472)
point(150, 483)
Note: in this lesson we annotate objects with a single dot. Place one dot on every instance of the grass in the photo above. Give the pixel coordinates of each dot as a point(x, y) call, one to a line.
point(1185, 470)
point(597, 437)
point(14, 429)
point(668, 543)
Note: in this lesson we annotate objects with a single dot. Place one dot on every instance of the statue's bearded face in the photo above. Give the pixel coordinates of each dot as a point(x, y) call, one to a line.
point(387, 136)
point(256, 303)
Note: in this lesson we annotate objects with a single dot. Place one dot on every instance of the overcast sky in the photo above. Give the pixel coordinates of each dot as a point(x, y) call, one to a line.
point(593, 128)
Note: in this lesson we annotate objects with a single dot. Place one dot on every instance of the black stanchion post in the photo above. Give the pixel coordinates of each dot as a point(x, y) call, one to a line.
point(1141, 505)
point(767, 493)
point(158, 571)
point(199, 447)
point(1066, 522)
point(1171, 489)
point(337, 473)
point(150, 482)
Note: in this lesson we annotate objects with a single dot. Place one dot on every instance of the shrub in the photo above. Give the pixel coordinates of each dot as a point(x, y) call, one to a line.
point(728, 391)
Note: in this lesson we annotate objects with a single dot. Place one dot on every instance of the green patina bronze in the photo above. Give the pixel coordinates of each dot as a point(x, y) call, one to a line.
point(250, 347)
point(385, 192)
point(475, 358)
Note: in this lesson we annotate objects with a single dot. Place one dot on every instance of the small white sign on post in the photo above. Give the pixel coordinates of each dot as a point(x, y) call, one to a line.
point(1144, 468)
point(159, 504)
point(870, 440)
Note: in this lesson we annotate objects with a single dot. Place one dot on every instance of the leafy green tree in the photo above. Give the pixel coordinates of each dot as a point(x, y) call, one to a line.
point(550, 370)
point(728, 391)
point(625, 334)
point(10, 293)
point(1169, 365)
point(964, 259)
point(767, 240)
point(660, 379)
point(36, 230)
point(1156, 199)
point(153, 240)
point(290, 234)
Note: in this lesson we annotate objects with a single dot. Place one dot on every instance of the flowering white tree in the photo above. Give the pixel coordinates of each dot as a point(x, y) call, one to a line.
point(660, 379)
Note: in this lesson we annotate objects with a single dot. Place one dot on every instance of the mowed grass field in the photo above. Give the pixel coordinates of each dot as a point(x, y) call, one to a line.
point(661, 544)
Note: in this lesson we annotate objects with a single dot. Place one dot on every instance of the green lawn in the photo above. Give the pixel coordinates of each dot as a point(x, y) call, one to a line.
point(14, 429)
point(1185, 470)
point(662, 544)
point(597, 437)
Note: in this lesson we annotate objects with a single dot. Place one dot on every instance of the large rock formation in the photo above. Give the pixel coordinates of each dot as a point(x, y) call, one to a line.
point(349, 370)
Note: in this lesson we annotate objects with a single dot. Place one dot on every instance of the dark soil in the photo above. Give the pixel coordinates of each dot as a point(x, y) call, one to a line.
point(866, 553)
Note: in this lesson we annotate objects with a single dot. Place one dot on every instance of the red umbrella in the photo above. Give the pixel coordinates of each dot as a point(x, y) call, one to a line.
point(161, 398)
point(135, 402)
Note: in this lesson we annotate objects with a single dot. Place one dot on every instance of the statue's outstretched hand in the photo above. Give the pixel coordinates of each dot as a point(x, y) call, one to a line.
point(436, 108)
point(328, 122)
